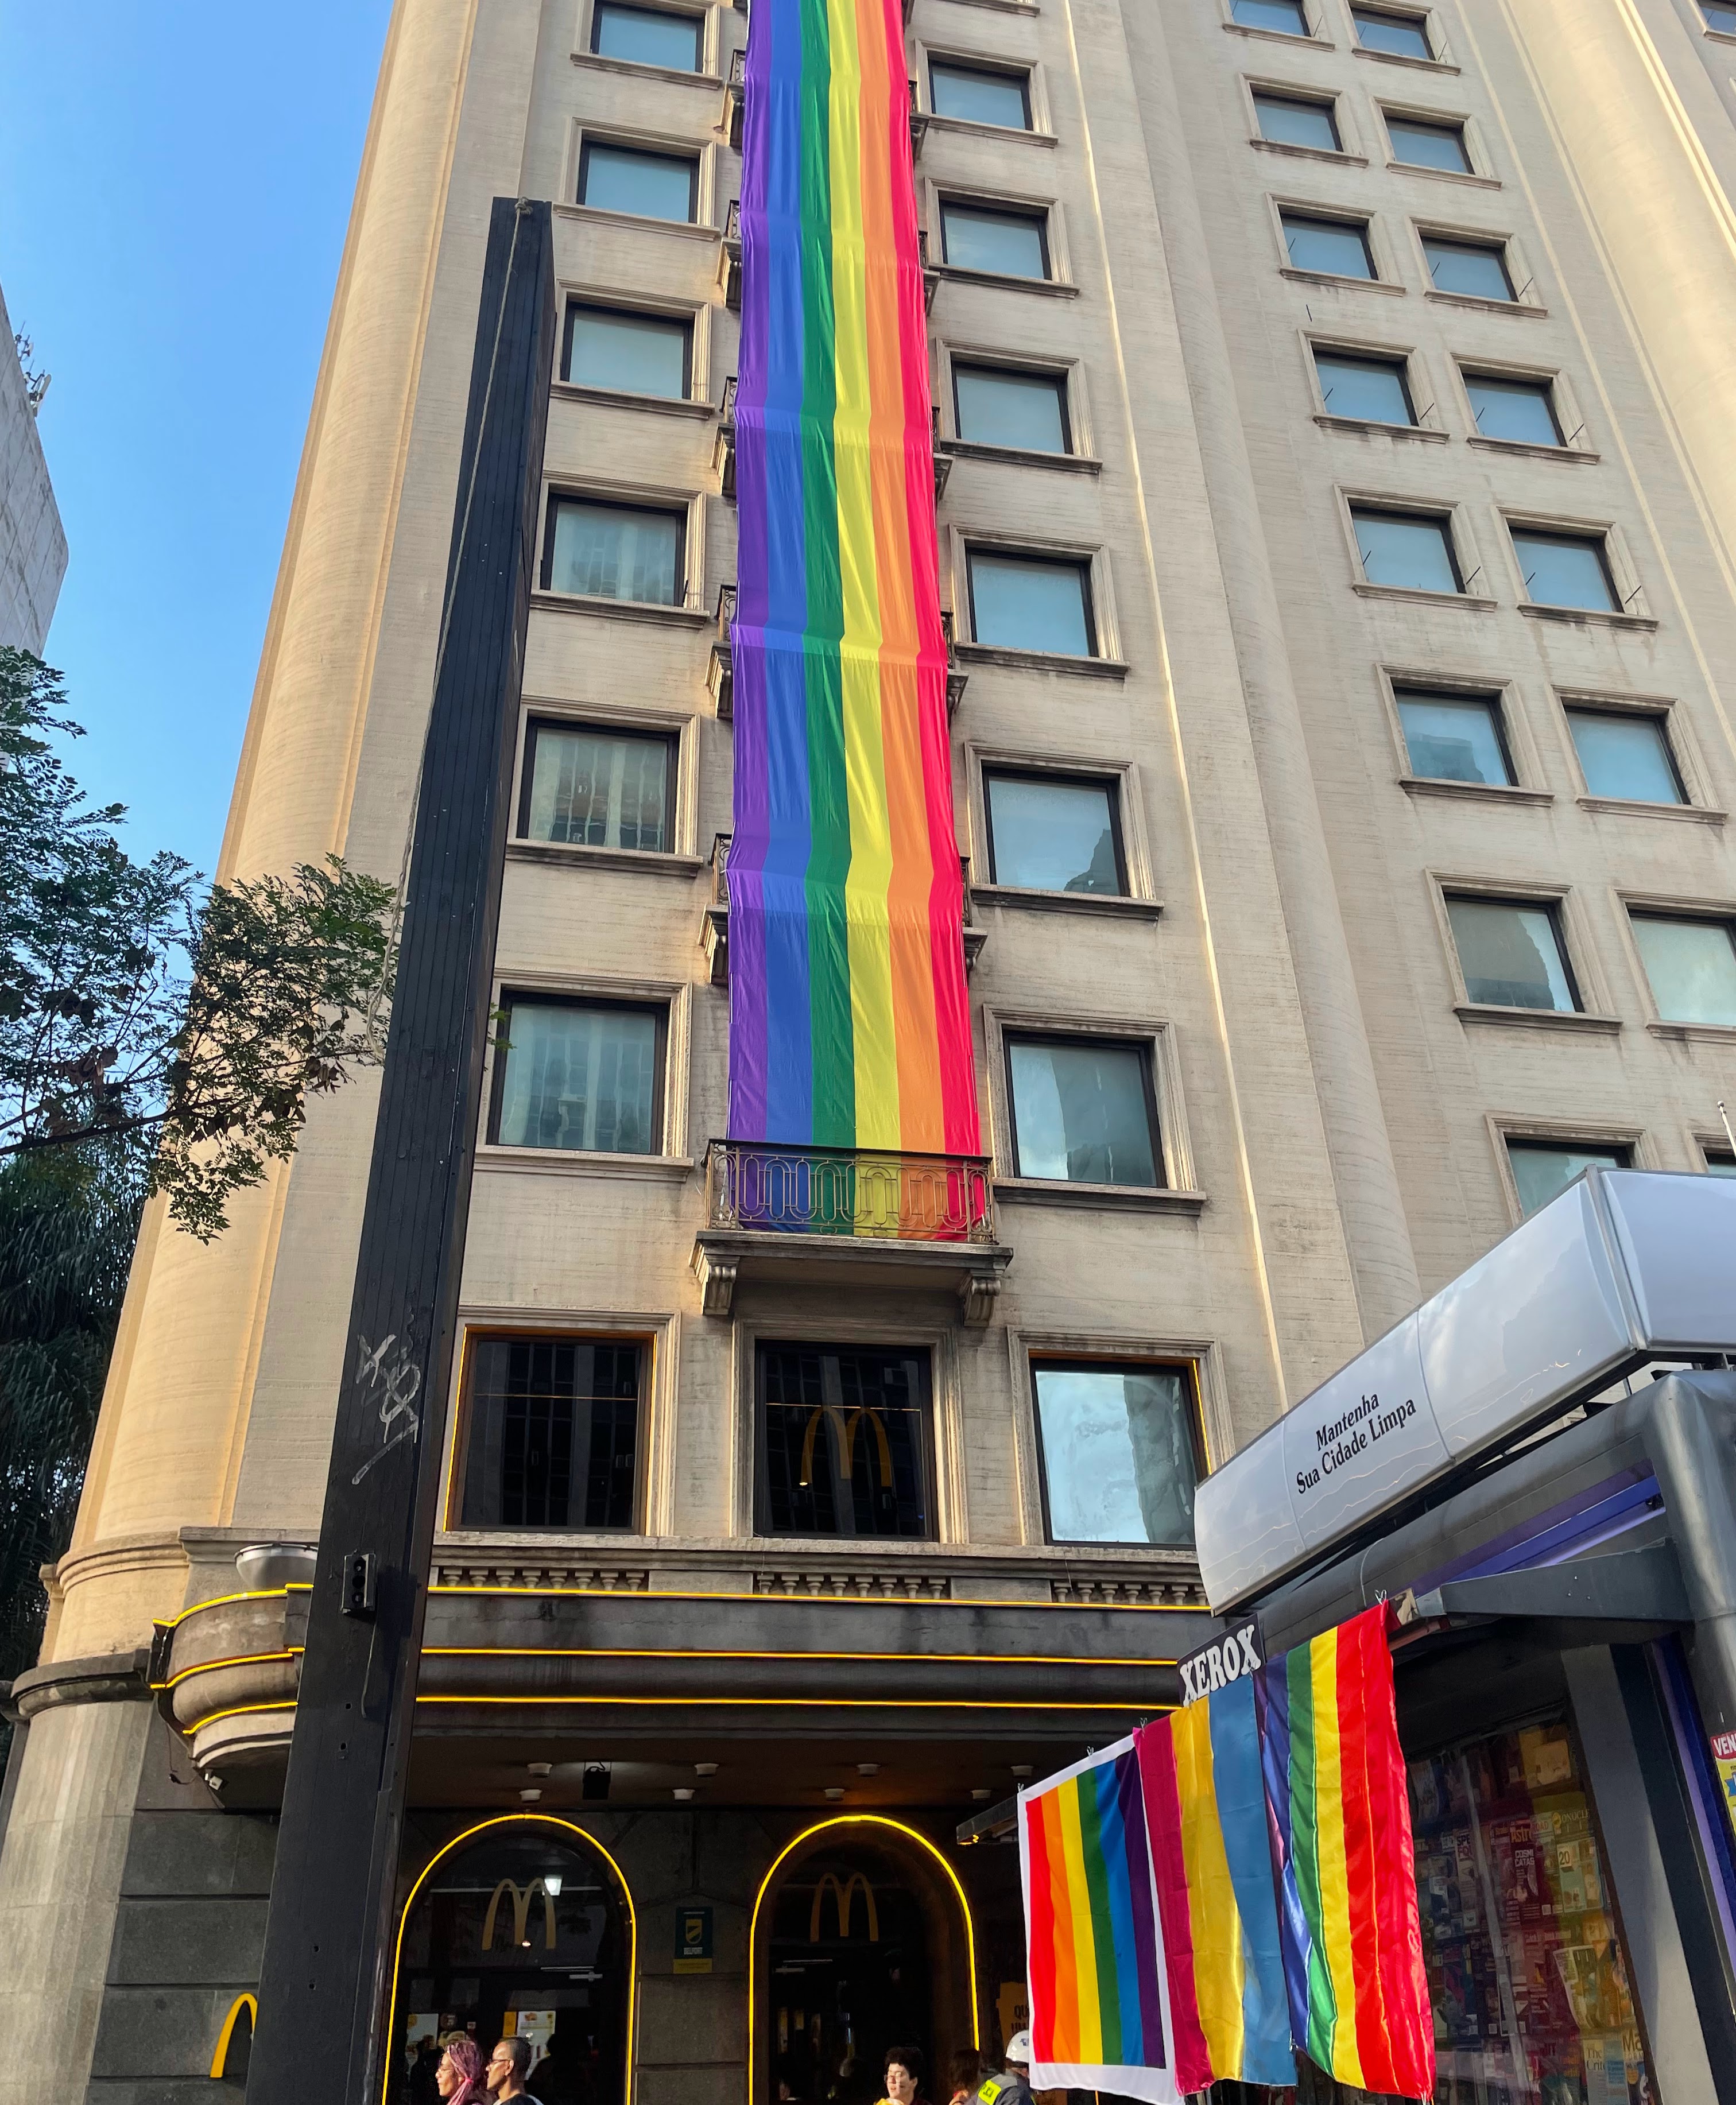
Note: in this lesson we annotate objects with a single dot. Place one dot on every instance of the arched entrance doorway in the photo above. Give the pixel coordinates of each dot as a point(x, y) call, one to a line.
point(861, 1939)
point(522, 1924)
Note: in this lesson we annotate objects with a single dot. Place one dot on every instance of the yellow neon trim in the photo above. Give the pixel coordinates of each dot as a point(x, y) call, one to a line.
point(820, 1827)
point(823, 1702)
point(219, 2060)
point(224, 1600)
point(834, 1600)
point(509, 1820)
point(214, 1666)
point(243, 1711)
point(611, 1652)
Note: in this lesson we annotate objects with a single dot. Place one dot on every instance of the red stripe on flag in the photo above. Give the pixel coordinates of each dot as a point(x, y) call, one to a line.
point(1362, 1871)
point(1042, 1985)
point(1162, 1794)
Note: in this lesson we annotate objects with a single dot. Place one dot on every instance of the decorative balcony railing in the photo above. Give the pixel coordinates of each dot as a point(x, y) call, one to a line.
point(723, 449)
point(735, 101)
point(856, 1192)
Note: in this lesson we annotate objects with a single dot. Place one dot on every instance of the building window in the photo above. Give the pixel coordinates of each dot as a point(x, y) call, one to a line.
point(552, 1432)
point(844, 1442)
point(1118, 1453)
point(1291, 120)
point(1720, 16)
point(648, 36)
point(1031, 603)
point(1411, 551)
point(979, 95)
point(1520, 411)
point(1719, 1165)
point(1512, 954)
point(1001, 406)
point(1399, 36)
point(1542, 1169)
point(630, 179)
point(598, 789)
point(585, 1075)
point(1454, 738)
point(1329, 248)
point(1285, 17)
point(1473, 270)
point(1565, 570)
point(1626, 754)
point(1373, 391)
point(1084, 1111)
point(614, 552)
point(627, 353)
point(1049, 832)
point(1692, 967)
point(1421, 142)
point(1004, 244)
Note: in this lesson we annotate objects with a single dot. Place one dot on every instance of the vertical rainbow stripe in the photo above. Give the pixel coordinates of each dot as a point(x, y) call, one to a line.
point(1092, 1945)
point(1206, 1814)
point(848, 1022)
point(1340, 1825)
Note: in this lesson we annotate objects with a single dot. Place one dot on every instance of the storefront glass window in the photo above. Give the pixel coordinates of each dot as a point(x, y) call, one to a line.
point(1527, 1975)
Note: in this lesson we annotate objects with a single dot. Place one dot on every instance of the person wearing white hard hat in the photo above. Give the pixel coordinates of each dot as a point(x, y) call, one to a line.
point(1013, 2087)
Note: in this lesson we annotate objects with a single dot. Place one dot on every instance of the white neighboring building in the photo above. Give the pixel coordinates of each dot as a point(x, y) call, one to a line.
point(32, 542)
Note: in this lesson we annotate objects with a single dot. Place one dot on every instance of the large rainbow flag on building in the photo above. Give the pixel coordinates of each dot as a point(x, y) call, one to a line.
point(1206, 1814)
point(848, 1023)
point(1094, 1953)
point(1344, 1859)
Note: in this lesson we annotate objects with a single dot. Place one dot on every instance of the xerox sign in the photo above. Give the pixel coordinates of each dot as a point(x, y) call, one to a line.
point(1625, 1263)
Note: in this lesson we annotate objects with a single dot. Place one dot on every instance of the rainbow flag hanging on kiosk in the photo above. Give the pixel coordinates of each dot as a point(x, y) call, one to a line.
point(1206, 1814)
point(1094, 1951)
point(1339, 1829)
point(848, 1024)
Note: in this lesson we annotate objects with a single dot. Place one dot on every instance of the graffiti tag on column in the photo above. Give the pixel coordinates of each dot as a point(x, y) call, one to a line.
point(396, 1379)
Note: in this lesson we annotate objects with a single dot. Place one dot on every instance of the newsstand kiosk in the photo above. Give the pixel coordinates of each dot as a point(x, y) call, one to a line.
point(1538, 1466)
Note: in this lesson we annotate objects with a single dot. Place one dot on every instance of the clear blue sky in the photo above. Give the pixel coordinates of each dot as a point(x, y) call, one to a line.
point(175, 184)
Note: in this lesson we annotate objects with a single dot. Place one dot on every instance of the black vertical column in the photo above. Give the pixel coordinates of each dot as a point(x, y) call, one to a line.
point(327, 1938)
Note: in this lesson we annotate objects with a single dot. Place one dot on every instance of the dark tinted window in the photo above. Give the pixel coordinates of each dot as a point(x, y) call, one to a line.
point(1475, 270)
point(1565, 570)
point(629, 179)
point(580, 1075)
point(1082, 1111)
point(1009, 244)
point(1521, 410)
point(1119, 1455)
point(614, 552)
point(1404, 36)
point(1049, 834)
point(1420, 144)
point(999, 407)
point(1026, 603)
point(552, 1432)
point(979, 96)
point(1371, 389)
point(1335, 247)
point(1626, 755)
point(1407, 549)
point(843, 1445)
point(602, 789)
point(649, 36)
point(1543, 1169)
point(1454, 738)
point(633, 354)
point(1287, 120)
point(1509, 952)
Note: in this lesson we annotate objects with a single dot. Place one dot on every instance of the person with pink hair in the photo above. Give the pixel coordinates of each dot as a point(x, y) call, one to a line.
point(459, 2078)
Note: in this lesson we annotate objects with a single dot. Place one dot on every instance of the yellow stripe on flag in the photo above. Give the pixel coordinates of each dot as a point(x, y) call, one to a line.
point(1335, 1878)
point(1085, 1941)
point(1218, 1968)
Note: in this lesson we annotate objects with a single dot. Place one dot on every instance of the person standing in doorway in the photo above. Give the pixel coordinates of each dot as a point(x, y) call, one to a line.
point(903, 2076)
point(967, 2073)
point(458, 2079)
point(1013, 2087)
point(508, 2067)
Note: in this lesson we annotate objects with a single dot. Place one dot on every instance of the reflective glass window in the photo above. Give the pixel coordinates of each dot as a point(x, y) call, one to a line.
point(648, 36)
point(1522, 410)
point(1509, 952)
point(1049, 834)
point(1420, 144)
point(1285, 15)
point(843, 1445)
point(580, 1075)
point(602, 789)
point(1120, 1458)
point(629, 179)
point(1692, 967)
point(552, 1432)
point(1454, 738)
point(1719, 15)
point(1626, 755)
point(1403, 36)
point(1288, 120)
point(998, 406)
point(633, 354)
point(1542, 1169)
point(1335, 247)
point(1471, 268)
point(1404, 549)
point(1372, 389)
point(1720, 1165)
point(1563, 569)
point(981, 95)
point(613, 552)
point(1025, 603)
point(1082, 1111)
point(1009, 244)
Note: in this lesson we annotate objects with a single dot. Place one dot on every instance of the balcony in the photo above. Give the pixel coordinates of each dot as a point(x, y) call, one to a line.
point(720, 675)
point(729, 270)
point(735, 102)
point(818, 1216)
point(714, 928)
point(723, 447)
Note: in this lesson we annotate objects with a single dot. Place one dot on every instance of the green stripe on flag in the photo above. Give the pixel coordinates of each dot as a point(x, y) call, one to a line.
point(1323, 2005)
point(1103, 1919)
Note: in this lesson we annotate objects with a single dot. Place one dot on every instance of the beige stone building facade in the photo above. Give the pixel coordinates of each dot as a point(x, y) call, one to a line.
point(1336, 518)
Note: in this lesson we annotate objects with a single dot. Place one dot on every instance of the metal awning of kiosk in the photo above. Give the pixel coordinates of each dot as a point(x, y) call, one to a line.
point(1625, 1266)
